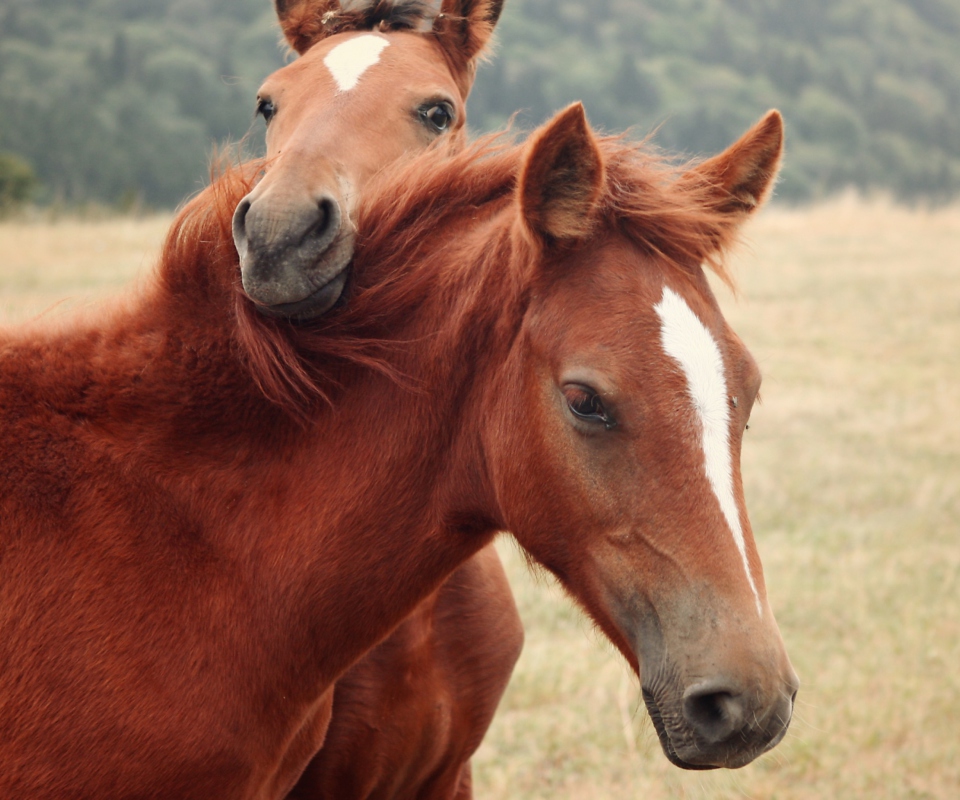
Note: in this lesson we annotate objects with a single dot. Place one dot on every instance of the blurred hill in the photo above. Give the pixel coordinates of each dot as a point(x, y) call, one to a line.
point(122, 100)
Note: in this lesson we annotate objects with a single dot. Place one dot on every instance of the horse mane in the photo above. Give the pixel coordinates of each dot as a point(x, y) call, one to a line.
point(667, 210)
point(297, 365)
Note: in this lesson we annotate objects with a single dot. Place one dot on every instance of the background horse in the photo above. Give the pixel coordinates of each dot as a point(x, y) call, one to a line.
point(374, 83)
point(294, 231)
point(187, 567)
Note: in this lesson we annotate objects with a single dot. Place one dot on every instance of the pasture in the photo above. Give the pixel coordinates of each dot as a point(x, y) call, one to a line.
point(852, 473)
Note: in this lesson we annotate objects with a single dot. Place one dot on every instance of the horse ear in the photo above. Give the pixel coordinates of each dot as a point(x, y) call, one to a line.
point(466, 26)
point(743, 175)
point(561, 178)
point(304, 21)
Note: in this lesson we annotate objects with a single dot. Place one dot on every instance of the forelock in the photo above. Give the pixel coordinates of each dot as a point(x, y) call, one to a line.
point(382, 15)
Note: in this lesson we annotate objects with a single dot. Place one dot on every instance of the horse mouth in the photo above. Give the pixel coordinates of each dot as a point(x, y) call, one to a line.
point(729, 756)
point(325, 287)
point(312, 306)
point(668, 750)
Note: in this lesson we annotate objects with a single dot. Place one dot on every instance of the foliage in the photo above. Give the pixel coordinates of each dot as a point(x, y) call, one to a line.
point(17, 182)
point(118, 98)
point(870, 89)
point(113, 98)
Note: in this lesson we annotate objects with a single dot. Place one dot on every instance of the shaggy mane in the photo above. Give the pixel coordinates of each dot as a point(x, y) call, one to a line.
point(403, 253)
point(667, 210)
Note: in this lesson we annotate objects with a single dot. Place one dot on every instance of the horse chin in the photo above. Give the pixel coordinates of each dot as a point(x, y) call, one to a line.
point(336, 262)
point(668, 750)
point(313, 306)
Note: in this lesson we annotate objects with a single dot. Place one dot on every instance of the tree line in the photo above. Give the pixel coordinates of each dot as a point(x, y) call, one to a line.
point(122, 100)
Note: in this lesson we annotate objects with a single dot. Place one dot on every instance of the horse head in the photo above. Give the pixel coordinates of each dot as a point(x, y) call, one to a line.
point(616, 424)
point(394, 78)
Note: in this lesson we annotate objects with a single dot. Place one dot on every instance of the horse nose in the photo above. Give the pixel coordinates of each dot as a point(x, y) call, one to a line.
point(718, 712)
point(262, 224)
point(714, 711)
point(240, 227)
point(283, 245)
point(322, 224)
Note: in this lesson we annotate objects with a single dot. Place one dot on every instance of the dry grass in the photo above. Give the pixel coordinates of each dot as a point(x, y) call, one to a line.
point(852, 467)
point(45, 263)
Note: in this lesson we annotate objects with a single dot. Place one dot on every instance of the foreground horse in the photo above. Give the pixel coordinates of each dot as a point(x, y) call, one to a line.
point(530, 345)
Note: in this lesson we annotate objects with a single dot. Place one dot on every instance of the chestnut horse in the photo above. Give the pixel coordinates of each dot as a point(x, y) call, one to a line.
point(374, 83)
point(189, 563)
point(371, 84)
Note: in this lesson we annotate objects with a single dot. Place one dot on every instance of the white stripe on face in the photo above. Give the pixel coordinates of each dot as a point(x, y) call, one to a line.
point(348, 61)
point(686, 339)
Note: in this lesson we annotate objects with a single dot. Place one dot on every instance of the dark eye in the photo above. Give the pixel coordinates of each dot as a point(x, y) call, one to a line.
point(438, 116)
point(587, 405)
point(266, 109)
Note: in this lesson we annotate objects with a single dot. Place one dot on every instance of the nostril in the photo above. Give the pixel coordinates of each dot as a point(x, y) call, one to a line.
point(713, 714)
point(325, 218)
point(240, 226)
point(327, 224)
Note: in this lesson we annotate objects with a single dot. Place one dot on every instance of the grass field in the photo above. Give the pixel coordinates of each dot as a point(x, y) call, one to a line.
point(852, 471)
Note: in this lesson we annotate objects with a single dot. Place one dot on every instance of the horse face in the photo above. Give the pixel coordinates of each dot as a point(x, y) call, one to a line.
point(353, 102)
point(620, 469)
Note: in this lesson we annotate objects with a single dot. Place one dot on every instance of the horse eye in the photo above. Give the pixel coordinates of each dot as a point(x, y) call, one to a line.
point(266, 109)
point(587, 405)
point(438, 116)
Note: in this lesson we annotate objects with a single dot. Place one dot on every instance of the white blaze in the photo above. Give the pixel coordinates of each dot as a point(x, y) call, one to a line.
point(686, 339)
point(348, 61)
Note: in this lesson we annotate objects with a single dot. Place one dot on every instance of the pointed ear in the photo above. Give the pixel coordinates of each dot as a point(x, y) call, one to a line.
point(466, 26)
point(304, 21)
point(744, 174)
point(561, 178)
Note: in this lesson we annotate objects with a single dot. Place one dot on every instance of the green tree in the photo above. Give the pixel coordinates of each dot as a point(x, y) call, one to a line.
point(17, 182)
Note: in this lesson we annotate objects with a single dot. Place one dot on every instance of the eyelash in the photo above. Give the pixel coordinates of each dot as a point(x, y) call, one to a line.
point(584, 403)
point(266, 109)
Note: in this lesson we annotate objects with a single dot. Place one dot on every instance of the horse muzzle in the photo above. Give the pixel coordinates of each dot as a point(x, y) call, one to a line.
point(711, 724)
point(718, 686)
point(294, 257)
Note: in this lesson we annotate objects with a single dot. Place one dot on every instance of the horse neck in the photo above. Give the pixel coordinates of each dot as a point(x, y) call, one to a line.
point(402, 466)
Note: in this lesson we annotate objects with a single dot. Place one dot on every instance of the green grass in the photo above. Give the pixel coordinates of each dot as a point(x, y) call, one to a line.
point(852, 473)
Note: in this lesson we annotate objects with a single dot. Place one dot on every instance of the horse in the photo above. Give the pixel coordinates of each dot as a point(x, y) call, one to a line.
point(209, 513)
point(328, 131)
point(293, 230)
